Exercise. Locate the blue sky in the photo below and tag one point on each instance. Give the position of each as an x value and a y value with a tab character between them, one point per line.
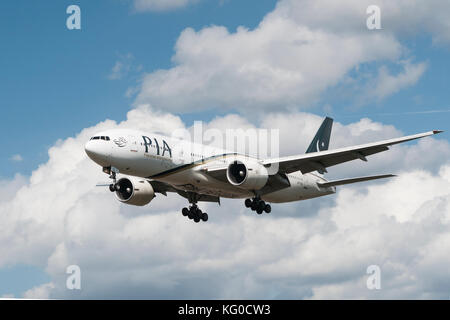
55	82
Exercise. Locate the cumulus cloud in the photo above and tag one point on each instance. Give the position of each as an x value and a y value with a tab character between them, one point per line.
257	69
8	188
161	5
39	292
297	52
387	83
402	18
302	250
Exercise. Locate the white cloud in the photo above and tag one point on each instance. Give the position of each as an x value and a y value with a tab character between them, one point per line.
402	18
161	5
16	158
8	188
116	72
298	51
123	67
39	292
257	69
387	84
302	250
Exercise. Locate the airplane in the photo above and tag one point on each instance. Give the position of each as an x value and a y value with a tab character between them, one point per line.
152	163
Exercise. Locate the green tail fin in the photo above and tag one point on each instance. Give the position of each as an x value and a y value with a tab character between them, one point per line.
322	138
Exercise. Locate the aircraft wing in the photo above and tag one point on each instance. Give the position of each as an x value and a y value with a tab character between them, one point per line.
162	187
319	161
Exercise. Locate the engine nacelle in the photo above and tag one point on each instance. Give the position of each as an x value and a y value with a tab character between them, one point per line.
134	191
248	176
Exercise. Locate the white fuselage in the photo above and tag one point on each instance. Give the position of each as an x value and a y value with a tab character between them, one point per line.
183	164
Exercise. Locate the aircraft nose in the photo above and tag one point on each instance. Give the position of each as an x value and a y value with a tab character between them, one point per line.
97	152
90	149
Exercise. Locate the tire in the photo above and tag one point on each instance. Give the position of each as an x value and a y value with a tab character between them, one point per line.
259	211
205	216
192	212
248	203
111	188
261	205
197	219
185	212
254	205
267	208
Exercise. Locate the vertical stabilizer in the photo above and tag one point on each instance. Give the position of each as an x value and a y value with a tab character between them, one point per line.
322	138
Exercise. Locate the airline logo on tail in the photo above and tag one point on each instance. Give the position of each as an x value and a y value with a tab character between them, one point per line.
321	140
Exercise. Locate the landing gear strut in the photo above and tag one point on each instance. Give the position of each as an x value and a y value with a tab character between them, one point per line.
258	205
194	213
113	187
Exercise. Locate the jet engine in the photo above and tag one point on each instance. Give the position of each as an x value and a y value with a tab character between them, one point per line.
248	176
134	191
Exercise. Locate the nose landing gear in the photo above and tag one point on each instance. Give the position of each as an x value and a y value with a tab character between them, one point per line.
113	187
258	205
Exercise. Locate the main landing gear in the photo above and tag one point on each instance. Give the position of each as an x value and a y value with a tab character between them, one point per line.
258	205
194	213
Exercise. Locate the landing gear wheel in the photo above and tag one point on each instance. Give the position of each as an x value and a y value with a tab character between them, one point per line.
260	206
194	213
112	188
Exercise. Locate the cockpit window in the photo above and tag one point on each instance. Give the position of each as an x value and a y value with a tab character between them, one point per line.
101	138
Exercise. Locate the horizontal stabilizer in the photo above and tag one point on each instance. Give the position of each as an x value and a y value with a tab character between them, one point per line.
353	180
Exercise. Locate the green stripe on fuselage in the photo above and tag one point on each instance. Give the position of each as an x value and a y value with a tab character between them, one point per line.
190	165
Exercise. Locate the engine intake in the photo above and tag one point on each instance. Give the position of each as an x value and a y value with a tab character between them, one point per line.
134	191
249	176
